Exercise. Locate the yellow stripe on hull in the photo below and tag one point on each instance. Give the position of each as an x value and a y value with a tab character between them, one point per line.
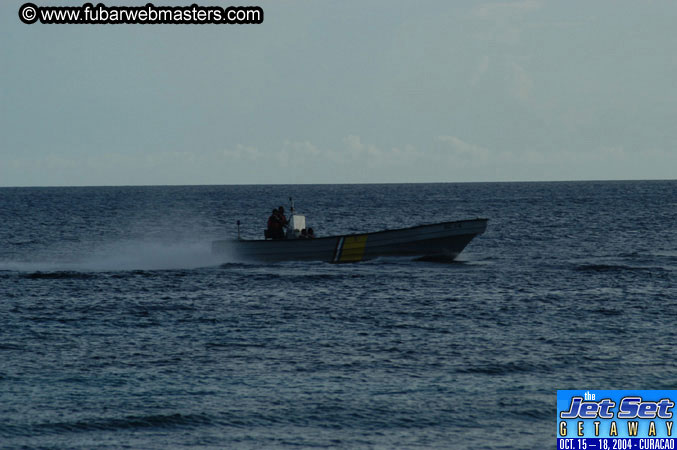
353	248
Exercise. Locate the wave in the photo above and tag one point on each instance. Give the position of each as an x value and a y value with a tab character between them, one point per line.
615	268
110	424
503	368
59	275
608	311
630	255
10	346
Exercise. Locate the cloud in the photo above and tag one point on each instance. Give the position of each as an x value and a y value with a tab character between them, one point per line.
359	150
242	152
299	154
502	23
522	83
375	156
481	69
498	10
613	151
461	150
353	152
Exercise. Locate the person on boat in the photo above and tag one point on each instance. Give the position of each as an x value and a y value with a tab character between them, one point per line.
284	223
274	230
304	234
310	234
272	224
282	217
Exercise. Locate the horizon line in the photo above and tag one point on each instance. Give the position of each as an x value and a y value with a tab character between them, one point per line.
340	183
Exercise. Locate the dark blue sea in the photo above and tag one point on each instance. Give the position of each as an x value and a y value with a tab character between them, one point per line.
119	329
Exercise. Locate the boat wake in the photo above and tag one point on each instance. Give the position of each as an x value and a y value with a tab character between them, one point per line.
121	256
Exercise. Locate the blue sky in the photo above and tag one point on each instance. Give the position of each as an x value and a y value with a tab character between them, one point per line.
344	92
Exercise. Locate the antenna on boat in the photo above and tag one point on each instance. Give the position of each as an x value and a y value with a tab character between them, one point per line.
238	231
291	200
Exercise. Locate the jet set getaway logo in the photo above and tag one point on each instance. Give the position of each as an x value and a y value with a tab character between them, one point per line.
615	420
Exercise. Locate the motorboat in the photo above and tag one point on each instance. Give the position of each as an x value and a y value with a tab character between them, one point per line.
438	241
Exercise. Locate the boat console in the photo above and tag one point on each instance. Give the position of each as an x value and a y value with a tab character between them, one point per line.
296	224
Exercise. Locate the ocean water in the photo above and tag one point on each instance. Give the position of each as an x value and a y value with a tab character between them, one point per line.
119	329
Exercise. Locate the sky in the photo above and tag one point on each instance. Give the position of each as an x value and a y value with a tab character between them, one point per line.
346	91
